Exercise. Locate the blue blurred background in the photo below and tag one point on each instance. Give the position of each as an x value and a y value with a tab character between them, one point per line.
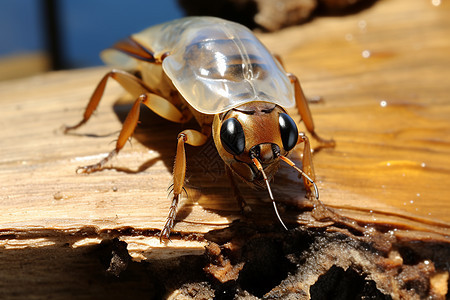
83	27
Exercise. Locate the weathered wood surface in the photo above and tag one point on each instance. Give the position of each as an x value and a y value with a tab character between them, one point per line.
383	74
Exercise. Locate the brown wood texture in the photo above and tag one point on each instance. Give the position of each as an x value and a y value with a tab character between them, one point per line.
383	74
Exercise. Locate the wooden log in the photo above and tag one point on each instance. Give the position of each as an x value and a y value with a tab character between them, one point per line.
383	76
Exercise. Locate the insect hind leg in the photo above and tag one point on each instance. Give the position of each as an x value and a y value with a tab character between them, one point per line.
127	130
137	88
129	82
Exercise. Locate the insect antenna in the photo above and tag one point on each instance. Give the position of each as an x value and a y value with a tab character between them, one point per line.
291	163
260	168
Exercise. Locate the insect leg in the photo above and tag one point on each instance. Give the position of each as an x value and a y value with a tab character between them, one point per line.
129	82
305	113
127	130
163	107
307	162
152	101
307	171
191	137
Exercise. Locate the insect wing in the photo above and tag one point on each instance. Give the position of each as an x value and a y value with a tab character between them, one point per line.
121	54
118	59
217	65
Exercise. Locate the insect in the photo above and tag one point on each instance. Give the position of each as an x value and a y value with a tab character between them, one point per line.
219	73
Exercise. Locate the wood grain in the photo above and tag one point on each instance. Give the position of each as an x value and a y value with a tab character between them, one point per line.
384	82
383	75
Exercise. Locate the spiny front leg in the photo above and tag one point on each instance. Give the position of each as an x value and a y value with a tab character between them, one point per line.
170	221
179	174
307	171
193	138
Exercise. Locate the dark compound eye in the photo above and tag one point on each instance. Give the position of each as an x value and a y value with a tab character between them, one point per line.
288	130
232	136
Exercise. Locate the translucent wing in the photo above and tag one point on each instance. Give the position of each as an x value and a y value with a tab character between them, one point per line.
123	52
217	65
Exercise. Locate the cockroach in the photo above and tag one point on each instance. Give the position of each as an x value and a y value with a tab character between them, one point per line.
218	72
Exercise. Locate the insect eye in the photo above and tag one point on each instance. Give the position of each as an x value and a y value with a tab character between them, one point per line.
232	136
288	130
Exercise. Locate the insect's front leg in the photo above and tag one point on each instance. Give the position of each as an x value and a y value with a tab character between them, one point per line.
191	137
307	171
307	162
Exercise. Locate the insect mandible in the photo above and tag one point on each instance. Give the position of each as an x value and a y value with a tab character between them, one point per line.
219	73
